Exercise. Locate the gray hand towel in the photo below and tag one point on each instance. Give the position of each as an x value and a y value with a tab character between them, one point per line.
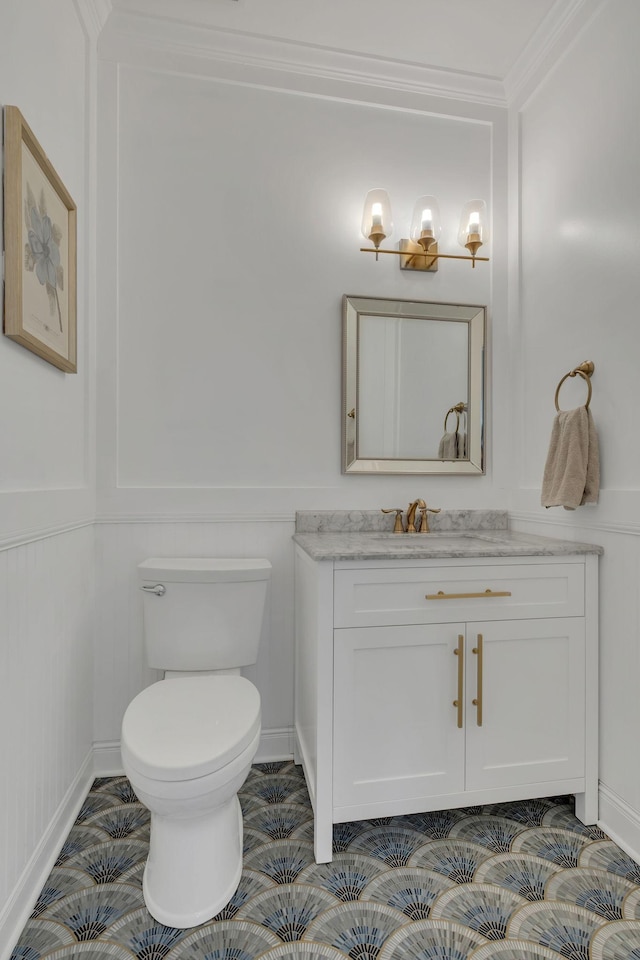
572	471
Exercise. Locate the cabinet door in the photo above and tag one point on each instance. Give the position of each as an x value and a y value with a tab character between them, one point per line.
529	679
396	735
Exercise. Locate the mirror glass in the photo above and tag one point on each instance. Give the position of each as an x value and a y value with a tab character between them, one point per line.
413	386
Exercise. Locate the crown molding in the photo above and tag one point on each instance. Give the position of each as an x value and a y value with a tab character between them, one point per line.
154	26
551	40
93	15
181	37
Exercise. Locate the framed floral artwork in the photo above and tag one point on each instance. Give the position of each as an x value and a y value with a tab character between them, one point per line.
40	229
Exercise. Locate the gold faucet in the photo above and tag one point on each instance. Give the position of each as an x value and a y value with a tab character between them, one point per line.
411	514
423	521
411	527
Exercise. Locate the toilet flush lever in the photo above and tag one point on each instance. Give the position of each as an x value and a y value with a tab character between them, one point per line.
159	589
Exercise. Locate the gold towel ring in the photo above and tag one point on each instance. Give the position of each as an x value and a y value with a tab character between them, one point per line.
457	419
457	409
585	371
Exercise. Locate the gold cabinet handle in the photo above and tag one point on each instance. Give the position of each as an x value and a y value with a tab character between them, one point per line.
478	700
441	595
459	653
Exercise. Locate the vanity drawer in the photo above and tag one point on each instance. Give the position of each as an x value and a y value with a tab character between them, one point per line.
381	596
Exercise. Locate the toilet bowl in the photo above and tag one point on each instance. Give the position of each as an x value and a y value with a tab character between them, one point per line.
187	748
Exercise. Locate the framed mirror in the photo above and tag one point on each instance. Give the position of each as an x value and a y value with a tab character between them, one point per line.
413	387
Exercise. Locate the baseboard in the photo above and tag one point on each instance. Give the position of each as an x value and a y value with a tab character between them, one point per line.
17	911
275	744
620	822
107	761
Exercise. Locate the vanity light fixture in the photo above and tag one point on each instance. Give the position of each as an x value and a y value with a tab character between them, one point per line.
420	252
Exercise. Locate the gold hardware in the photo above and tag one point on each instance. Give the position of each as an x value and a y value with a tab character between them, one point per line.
411	515
352	413
423	521
415	257
584	370
397	527
428	256
457	409
441	595
478	700
459	653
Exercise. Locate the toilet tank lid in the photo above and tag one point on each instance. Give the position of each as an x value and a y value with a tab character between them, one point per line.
204	569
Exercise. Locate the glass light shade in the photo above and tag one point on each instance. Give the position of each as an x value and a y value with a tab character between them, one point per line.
425	223
474	228
377	224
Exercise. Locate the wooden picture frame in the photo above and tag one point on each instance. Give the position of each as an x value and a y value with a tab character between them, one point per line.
40	239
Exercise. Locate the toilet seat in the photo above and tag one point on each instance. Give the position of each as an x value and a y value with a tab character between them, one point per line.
185	728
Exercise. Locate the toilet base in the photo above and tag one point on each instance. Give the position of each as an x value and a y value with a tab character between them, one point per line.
194	865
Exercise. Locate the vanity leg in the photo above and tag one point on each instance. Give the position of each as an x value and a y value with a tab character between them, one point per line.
587	806
323	841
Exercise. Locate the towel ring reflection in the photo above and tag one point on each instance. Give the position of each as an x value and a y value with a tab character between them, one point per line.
585	371
457	409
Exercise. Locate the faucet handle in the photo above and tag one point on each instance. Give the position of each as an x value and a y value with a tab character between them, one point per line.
397	527
423	522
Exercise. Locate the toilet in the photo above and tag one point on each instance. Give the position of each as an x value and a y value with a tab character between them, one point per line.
188	740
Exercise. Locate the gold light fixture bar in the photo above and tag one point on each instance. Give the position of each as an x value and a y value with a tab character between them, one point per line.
412	254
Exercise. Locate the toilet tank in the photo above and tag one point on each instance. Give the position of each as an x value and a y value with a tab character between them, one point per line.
202	613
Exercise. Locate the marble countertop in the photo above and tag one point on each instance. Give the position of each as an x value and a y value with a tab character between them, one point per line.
353	535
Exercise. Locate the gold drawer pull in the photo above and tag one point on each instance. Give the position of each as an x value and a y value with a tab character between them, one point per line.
459	653
441	595
477	702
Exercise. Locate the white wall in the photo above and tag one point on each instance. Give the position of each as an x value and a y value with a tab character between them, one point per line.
47	495
580	288
230	216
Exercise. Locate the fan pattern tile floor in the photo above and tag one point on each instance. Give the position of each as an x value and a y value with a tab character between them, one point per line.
513	881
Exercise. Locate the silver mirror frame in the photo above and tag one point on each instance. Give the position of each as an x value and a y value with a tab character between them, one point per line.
354	307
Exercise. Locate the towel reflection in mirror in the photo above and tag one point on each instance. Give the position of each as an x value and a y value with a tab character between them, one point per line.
453	445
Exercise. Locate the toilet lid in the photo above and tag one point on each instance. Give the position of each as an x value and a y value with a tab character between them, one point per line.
184	728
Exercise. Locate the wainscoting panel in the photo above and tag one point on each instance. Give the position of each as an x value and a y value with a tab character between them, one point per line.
46	617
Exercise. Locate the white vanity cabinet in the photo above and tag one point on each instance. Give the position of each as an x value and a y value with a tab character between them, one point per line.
428	684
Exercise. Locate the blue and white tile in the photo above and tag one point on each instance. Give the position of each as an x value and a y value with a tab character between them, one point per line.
457	859
524	874
279	821
61	882
227	940
41	937
108	862
358	929
287	910
431	940
281	860
496	833
617	941
601	892
121	820
80	837
606	855
346	877
514	950
392	844
562	927
562	847
483	907
413	890
144	937
88	914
